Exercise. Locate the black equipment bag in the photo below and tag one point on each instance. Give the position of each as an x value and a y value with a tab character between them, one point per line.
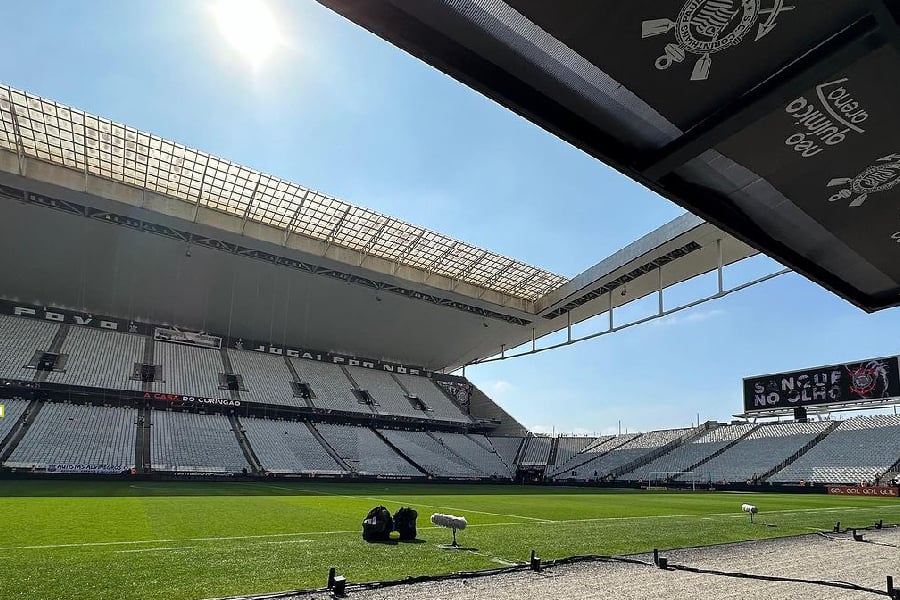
405	523
377	525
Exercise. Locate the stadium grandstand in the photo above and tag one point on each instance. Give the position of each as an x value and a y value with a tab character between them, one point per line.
221	325
209	390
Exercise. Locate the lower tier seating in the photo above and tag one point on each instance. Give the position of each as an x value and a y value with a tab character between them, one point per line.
860	449
507	447
430	453
12	412
477	451
364	451
78	438
287	447
192	442
761	451
683	457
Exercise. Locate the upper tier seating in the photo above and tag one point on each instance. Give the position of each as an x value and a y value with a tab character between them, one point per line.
760	452
363	450
189	370
507	448
578	467
682	457
81	436
287	447
101	359
537	452
387	393
860	449
329	384
440	406
192	442
477	451
19	339
13	411
430	454
267	378
106	359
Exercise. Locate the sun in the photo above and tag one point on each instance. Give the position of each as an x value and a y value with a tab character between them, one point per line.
250	27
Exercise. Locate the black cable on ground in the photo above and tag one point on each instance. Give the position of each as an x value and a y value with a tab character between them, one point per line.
738	575
522	567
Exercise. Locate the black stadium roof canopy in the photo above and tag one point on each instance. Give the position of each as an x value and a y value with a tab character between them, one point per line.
776	120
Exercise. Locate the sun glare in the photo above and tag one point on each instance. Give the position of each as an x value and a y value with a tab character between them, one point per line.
250	28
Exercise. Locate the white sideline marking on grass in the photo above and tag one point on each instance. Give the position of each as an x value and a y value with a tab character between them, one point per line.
171	549
479	512
82	544
289	541
503	524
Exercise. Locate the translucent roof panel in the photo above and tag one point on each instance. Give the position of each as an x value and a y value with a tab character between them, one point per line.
42	129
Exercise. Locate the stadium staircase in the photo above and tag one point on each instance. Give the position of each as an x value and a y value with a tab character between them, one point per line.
244	443
831	427
142	441
55	347
331	451
12	440
554	448
295	376
520	453
400	452
400	383
654	453
229	370
721	450
147	359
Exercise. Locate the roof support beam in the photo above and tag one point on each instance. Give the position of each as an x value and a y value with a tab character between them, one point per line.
290	227
493	280
200	190
853	42
336	229
372	241
406	250
20	150
431	266
468	268
249	205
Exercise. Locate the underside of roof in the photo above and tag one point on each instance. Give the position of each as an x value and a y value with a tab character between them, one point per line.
776	120
45	130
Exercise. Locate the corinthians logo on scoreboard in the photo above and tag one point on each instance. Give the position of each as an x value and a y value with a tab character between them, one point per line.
704	27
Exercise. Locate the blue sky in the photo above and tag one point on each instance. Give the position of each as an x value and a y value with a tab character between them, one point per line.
340	110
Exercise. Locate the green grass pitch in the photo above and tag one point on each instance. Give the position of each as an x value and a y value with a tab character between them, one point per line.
180	540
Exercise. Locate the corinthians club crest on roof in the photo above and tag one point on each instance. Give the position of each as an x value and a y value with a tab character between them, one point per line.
704	27
880	177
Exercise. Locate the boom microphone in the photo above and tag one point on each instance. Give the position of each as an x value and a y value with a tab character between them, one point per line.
749	508
449	521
